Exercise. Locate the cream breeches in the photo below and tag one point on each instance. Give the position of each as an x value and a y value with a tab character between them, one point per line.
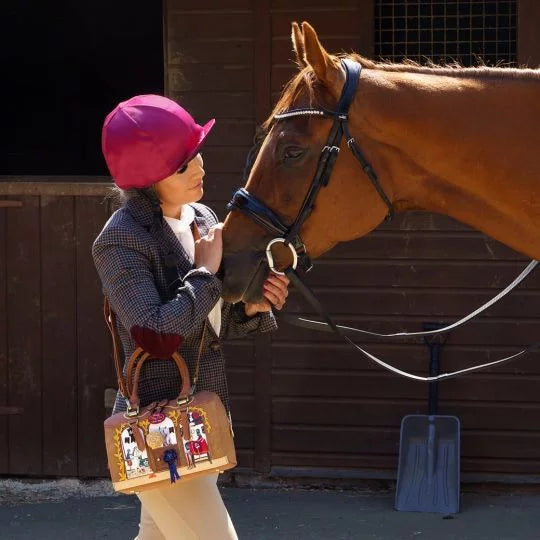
191	510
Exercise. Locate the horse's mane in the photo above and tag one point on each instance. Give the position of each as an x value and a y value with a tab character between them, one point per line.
455	69
305	81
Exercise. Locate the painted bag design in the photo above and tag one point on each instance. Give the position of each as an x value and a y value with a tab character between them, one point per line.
168	441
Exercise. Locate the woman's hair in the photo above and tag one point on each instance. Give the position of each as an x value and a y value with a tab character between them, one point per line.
121	196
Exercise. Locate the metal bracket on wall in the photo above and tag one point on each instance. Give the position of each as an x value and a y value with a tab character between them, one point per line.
10	204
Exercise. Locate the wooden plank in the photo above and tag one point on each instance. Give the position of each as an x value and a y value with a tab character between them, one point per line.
242	408
210	78
329	439
59	347
213	104
244	458
224	159
4	373
411	356
244	436
382	386
370	465
378	412
481	332
528	19
427	303
182	50
262	60
54	185
223	24
24	337
95	365
263	342
228	132
428	273
327	22
10	204
239	353
263	403
241	380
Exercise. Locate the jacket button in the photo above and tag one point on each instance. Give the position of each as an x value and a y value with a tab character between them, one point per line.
215	346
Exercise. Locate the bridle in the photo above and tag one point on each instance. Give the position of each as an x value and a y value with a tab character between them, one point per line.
289	235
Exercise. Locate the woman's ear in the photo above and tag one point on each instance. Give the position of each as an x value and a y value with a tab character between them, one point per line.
298	45
326	67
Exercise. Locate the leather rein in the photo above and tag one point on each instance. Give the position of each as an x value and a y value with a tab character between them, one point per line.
289	235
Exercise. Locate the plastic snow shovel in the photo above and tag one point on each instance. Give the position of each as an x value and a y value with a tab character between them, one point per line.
429	452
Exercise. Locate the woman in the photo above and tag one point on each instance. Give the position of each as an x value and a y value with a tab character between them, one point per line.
157	258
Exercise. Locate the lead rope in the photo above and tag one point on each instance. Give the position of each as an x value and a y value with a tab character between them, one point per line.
310	297
326	327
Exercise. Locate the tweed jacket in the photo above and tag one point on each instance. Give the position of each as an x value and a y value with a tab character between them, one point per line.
161	301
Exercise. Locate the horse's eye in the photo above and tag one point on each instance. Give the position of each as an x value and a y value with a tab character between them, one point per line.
292	152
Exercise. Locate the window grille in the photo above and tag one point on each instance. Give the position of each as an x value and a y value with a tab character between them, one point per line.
467	31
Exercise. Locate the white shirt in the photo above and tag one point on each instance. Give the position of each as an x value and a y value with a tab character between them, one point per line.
182	229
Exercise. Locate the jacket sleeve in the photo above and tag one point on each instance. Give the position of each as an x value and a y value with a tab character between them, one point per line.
129	284
238	324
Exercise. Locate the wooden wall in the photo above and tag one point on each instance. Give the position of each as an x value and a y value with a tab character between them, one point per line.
307	404
55	360
302	403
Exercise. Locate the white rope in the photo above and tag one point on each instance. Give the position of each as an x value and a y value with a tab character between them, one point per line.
530	267
449	375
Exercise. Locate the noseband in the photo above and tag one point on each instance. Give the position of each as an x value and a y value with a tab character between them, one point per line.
243	201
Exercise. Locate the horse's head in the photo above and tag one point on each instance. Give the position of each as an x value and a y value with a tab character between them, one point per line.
281	176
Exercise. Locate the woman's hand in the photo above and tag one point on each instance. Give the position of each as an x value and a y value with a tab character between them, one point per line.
275	291
209	249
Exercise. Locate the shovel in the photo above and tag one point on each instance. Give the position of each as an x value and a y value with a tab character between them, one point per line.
429	451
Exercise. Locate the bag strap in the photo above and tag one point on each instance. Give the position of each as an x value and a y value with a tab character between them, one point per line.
199	353
110	321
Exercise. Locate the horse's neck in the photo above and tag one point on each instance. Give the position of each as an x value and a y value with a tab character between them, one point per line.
464	147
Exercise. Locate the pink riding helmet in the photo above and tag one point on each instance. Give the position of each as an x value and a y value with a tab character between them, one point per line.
147	138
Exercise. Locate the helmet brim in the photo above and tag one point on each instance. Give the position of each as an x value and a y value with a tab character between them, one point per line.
205	130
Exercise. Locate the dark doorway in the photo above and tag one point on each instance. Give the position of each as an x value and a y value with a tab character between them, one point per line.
66	65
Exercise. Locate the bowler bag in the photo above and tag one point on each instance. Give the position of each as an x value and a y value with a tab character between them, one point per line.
166	441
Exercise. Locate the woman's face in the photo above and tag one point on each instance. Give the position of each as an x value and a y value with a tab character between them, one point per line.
182	187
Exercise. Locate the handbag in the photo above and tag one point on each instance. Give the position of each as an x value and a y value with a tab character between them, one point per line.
167	441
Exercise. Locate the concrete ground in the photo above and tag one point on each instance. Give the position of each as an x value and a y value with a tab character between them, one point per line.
277	514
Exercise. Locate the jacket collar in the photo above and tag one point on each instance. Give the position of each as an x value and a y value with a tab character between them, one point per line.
145	209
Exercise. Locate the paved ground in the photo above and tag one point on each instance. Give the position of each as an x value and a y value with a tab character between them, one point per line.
285	515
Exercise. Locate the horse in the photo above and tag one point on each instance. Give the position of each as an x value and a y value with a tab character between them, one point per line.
445	139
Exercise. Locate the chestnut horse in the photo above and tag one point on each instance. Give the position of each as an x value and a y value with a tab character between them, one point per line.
457	141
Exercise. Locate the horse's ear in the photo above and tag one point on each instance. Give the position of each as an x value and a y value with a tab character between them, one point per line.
298	45
316	56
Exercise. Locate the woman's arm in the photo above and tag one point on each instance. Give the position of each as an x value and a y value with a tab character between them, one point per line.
237	324
129	284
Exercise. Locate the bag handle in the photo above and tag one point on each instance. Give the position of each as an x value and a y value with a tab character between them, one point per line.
134	400
131	367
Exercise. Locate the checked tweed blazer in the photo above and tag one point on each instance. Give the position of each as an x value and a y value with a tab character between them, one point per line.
161	301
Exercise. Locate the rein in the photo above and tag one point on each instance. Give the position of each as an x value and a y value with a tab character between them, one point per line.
289	235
